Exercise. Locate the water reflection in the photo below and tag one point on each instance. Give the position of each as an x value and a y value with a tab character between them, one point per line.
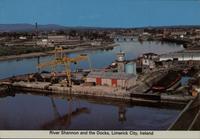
28	111
63	122
122	114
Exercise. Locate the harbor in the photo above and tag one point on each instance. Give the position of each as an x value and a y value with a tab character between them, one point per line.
119	80
123	81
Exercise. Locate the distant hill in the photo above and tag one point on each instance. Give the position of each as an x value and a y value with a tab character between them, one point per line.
49	27
28	27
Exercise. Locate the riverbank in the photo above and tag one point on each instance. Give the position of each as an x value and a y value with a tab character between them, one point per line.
41	54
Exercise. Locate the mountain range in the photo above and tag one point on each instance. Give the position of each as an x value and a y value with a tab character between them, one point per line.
50	27
47	27
28	27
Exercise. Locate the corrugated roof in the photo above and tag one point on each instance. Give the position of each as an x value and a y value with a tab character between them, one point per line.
110	75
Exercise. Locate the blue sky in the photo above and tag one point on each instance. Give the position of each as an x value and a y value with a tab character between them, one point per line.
101	13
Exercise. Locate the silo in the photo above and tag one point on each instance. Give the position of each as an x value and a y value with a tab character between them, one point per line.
120	61
130	68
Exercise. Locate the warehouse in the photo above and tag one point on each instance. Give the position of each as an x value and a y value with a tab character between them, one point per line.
114	79
56	38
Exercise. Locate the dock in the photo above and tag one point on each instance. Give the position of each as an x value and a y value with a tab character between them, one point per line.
189	118
106	92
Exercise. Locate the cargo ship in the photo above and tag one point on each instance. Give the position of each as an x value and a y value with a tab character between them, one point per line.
171	79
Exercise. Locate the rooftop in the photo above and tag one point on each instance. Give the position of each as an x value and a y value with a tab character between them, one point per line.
110	75
181	54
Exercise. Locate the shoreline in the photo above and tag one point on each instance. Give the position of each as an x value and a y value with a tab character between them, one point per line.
48	53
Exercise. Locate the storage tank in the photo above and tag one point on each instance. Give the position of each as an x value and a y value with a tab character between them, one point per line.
130	68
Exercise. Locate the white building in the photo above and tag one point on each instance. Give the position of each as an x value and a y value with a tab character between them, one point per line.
22	38
148	60
181	56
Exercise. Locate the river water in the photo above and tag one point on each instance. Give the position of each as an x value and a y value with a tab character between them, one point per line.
28	111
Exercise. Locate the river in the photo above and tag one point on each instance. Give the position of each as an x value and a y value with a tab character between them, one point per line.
28	111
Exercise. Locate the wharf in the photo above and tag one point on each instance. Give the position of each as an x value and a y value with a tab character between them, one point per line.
189	118
46	88
140	92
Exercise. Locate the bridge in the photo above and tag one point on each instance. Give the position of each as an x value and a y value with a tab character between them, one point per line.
125	38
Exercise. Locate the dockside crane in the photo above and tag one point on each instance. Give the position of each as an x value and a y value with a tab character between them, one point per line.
60	59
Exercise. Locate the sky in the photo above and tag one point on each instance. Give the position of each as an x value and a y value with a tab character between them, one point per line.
101	13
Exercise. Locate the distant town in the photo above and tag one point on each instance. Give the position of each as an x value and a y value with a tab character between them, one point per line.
40	38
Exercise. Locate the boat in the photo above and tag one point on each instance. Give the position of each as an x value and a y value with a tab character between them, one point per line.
172	78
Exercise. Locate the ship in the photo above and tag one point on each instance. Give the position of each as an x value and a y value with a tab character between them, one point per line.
168	81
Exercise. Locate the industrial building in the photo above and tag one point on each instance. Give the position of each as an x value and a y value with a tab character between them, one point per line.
146	62
114	79
56	38
181	56
125	77
123	66
120	62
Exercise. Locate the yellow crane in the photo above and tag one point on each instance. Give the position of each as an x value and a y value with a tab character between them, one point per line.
64	60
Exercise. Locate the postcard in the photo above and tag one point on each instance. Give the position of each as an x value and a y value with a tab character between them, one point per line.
99	69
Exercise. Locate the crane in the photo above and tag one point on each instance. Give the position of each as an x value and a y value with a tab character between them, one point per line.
64	60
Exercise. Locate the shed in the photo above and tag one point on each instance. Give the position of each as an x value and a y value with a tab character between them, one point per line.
115	79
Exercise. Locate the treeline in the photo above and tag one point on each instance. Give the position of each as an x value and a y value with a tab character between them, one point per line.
81	34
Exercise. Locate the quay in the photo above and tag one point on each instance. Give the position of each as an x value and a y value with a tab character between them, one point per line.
140	92
120	81
189	118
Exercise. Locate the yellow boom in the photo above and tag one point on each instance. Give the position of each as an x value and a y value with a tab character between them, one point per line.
64	60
